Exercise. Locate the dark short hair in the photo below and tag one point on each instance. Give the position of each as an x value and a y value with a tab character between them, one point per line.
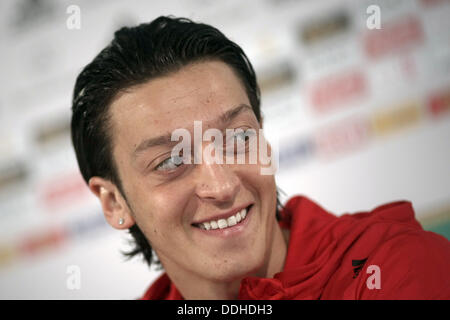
136	55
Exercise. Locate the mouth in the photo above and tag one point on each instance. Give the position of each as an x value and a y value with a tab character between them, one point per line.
225	222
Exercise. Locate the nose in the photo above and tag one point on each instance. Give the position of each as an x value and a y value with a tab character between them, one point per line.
216	182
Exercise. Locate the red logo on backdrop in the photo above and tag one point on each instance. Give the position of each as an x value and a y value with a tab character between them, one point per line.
343	137
392	37
63	189
429	3
439	103
333	90
44	240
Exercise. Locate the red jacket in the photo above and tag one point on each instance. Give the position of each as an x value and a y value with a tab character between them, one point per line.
381	254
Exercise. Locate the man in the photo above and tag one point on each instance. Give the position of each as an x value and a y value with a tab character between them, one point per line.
215	226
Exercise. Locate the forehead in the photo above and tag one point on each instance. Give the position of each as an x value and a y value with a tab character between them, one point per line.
201	91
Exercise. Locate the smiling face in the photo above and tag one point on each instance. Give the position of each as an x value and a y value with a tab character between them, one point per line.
170	202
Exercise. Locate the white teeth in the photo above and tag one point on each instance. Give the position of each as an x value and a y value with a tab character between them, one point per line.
231	221
207	225
224	223
213	225
243	213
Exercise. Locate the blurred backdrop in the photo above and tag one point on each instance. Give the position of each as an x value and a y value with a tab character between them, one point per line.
357	94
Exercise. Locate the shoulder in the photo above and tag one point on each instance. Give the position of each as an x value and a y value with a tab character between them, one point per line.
398	211
303	210
304	213
411	265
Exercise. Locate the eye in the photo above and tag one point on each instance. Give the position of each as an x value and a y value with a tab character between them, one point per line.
241	136
170	164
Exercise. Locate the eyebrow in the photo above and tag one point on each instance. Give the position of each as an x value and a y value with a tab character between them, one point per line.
233	113
165	139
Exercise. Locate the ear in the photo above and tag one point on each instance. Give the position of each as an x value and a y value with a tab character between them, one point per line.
115	207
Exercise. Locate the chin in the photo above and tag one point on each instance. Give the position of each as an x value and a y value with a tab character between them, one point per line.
231	270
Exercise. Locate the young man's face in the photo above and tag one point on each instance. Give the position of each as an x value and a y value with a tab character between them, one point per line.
169	201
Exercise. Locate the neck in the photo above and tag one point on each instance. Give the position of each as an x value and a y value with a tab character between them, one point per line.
193	287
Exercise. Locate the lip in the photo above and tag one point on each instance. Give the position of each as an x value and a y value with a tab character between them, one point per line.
223	215
229	231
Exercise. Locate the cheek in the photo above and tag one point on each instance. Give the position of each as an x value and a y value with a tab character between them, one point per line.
263	188
268	194
161	213
260	182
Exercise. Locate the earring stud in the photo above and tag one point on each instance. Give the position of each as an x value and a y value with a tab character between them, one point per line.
121	221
